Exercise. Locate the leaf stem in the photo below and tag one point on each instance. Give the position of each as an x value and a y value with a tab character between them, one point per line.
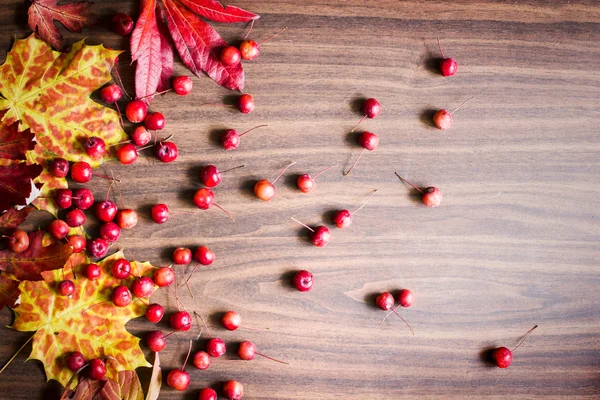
15	355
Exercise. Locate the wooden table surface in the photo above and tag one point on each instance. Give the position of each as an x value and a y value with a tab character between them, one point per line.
514	243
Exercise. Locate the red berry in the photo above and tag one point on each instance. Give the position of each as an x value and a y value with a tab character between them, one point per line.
181	321
204	255
249	49
163	276
155	312
121	268
371	108
77	242
160	213
58	229
230	56
126	219
442	119
166	151
368	141
448	66
233	390
136	111
66	288
127	154
97	248
303	281
178	379
201	360
59	167
246	104
83	198
203	198
342	218
155	121
92	271
110	232
182	256
81	172
210	176
503	357
432	197
207	394
95	147
142	287
106	211
215	347
75	218
18	242
63	198
141	136
182	85
320	236
155	340
406	298
111	93
247	351
230	139
307	183
122	24
385	301
121	296
231	320
75	361
96	369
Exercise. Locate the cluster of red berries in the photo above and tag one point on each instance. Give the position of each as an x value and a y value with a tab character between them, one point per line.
386	302
95	369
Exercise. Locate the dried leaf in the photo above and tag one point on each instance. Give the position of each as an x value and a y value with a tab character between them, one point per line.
42	13
214	10
30	264
127	387
197	44
14	144
155	380
87	322
166	52
9	292
12	218
146	51
88	389
15	184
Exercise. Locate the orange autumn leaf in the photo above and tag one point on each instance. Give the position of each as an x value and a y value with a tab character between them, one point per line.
88	321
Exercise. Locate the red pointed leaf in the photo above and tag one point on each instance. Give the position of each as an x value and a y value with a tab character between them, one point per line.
214	10
42	13
13	218
146	51
166	52
198	45
14	144
15	184
88	389
29	264
127	387
9	292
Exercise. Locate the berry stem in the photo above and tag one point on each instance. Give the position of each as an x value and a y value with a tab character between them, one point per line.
120	82
108	177
155	94
525	337
189	290
15	355
281	173
359	122
231	169
202	319
403	320
462	104
272	359
304	225
108	191
190	277
251	129
188	356
253	329
118	144
405	181
366	201
275	35
325	170
355	162
172	332
120	115
440	47
225	211
179	303
249	30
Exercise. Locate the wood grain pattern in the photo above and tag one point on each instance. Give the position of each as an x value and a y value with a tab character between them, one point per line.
515	242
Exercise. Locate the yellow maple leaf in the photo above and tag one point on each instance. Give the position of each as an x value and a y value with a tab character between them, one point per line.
88	321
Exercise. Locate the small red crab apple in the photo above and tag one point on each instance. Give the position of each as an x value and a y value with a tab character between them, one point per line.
231	139
166	151
443	118
155	121
207	394
97	248
126	219
430	196
77	242
96	369
233	390
160	213
247	351
58	229
155	340
121	296
83	198
385	301
140	136
181	321
265	190
121	268
204	198
95	147
306	183
81	172
319	236
231	320
75	218
448	66
122	24
371	109
503	356
182	85
154	313
246	104
343	218
406	298
182	256
110	232
63	198
59	167
18	241
179	379
164	276
111	93
250	50
368	141
142	287
204	255
215	347
136	111
230	56
211	176
66	288
92	271
106	211
75	361
303	281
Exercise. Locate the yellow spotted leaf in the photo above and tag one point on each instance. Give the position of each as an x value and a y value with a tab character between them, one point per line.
49	93
88	321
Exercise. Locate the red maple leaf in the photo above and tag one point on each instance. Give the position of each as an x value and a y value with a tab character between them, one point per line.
15	184
13	218
9	292
14	144
43	13
197	43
